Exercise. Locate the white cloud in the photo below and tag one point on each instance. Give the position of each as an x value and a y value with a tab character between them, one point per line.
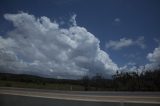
131	64
154	59
133	68
39	46
140	42
155	56
73	20
157	40
117	20
124	42
152	66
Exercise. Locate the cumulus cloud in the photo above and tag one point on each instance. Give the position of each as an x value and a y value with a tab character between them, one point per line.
41	47
124	42
154	58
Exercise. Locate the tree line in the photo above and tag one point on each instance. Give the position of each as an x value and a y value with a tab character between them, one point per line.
125	81
121	81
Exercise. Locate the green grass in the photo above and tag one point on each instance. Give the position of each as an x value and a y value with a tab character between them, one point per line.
54	86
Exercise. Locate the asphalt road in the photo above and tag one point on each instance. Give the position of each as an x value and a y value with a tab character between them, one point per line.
31	97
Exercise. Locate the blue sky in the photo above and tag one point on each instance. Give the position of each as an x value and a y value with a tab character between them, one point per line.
137	22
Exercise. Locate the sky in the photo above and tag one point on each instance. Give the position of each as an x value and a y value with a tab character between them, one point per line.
73	38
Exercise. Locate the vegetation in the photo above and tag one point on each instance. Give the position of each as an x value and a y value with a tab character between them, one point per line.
121	81
133	81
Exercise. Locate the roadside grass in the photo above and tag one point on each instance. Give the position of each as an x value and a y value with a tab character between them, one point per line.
53	86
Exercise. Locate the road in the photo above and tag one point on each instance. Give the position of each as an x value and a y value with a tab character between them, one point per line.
26	97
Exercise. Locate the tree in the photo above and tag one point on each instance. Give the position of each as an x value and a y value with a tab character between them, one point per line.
85	81
98	81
